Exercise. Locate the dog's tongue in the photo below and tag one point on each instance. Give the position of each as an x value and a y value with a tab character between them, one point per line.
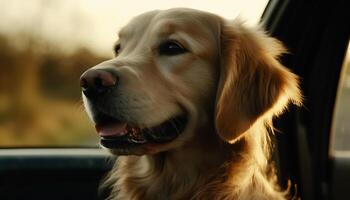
117	129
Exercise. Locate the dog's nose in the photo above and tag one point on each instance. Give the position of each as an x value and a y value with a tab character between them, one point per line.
97	81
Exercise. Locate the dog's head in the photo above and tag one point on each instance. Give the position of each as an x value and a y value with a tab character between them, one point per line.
179	70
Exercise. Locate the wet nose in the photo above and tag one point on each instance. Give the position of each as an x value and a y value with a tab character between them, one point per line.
96	82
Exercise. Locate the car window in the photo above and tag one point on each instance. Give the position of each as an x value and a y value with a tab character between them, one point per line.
45	47
341	119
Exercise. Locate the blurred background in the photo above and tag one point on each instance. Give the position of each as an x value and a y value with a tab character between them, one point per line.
45	45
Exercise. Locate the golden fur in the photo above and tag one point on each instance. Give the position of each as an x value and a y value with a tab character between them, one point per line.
231	85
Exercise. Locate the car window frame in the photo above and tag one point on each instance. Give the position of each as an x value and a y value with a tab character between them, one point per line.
316	36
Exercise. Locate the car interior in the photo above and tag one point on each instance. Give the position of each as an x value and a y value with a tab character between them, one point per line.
317	36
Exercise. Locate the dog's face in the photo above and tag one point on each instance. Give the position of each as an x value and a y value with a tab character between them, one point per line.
163	81
176	71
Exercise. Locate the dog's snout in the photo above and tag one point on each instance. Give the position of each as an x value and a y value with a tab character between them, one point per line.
97	81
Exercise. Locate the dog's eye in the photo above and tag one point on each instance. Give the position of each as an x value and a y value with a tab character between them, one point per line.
116	49
170	48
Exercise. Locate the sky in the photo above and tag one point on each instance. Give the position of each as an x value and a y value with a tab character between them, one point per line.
94	23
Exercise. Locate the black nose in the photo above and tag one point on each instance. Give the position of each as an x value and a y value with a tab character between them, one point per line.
95	82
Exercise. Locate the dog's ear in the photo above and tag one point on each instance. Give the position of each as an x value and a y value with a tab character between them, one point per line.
252	84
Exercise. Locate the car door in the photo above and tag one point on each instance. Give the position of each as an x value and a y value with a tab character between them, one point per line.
317	35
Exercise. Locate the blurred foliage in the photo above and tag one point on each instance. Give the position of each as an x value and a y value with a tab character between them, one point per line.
40	95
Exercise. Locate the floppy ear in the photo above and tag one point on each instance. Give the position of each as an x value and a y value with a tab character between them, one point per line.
253	84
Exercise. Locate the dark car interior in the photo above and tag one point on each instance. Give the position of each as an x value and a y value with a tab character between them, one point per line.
316	34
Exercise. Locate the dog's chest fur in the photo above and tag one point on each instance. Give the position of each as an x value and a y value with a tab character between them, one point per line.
155	177
163	176
150	180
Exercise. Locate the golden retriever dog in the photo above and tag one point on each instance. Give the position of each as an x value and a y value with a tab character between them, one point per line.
187	105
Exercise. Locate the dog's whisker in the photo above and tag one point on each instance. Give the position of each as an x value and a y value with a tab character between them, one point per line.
173	123
79	106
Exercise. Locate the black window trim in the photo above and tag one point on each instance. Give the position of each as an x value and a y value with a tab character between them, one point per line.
316	33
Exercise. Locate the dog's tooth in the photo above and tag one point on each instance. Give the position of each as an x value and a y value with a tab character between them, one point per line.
138	140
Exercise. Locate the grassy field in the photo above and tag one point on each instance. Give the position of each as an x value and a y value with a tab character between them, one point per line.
48	123
40	102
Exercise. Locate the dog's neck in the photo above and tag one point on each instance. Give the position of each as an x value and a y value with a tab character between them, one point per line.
195	158
179	172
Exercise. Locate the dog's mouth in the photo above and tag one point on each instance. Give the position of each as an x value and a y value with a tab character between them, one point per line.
121	135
